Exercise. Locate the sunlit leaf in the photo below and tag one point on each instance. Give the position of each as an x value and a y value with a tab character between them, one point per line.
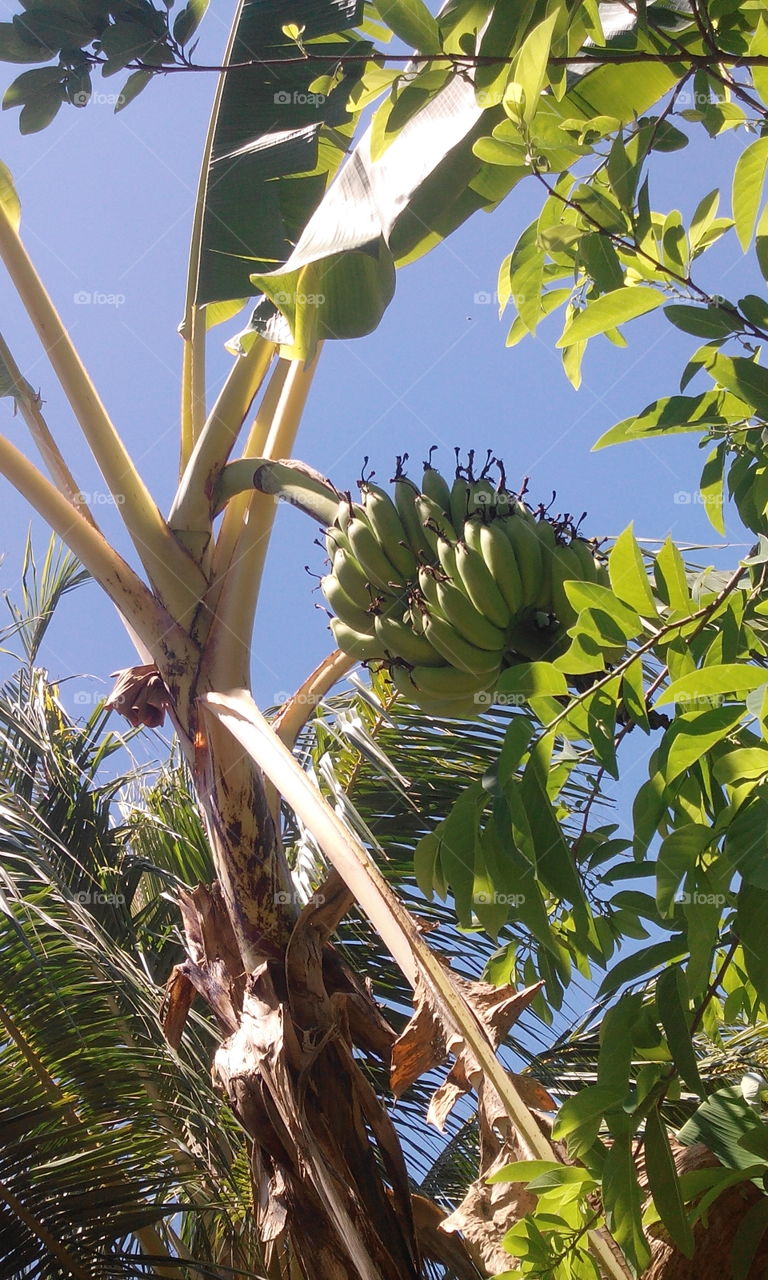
609	310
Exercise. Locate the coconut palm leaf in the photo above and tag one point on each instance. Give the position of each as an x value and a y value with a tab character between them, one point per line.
114	1149
41	591
106	1131
393	774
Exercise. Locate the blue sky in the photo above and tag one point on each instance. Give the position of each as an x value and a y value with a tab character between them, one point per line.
107	203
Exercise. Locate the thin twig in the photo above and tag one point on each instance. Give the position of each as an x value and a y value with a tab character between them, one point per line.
631	247
466	61
703	614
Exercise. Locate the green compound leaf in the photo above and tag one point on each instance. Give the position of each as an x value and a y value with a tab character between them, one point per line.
730	678
664	1183
608	311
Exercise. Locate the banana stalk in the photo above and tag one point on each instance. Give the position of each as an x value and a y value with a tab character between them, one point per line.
193	326
191	512
146	615
235	589
240	715
28	404
238	509
284	478
170	568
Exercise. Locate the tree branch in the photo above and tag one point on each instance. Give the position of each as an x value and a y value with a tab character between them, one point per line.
466	62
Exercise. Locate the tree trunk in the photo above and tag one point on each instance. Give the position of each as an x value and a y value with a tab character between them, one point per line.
328	1173
715	1236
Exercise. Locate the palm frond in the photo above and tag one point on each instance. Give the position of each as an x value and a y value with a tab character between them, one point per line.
114	1149
41	591
392	774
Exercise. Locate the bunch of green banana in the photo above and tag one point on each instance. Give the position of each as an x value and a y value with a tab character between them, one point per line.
448	584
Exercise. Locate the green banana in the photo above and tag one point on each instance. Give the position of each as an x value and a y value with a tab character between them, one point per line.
546	536
393	604
506	503
347	512
335	540
534	644
366	549
500	559
428	585
446	554
434	486
477	581
459	610
402	642
406	493
459	652
481	498
603	576
416	617
384	519
440	708
451	603
519	507
351	578
355	643
459	501
447	682
545	533
585	558
565	568
529	554
434	521
345	608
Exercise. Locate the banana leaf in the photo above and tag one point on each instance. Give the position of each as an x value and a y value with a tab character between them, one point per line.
413	178
271	125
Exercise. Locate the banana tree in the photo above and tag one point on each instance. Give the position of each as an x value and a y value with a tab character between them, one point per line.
330	1186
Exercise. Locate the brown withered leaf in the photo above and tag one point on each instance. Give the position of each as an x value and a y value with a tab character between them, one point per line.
292	1078
446	1247
421	1046
487	1212
213	969
140	695
425	1043
177	1002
